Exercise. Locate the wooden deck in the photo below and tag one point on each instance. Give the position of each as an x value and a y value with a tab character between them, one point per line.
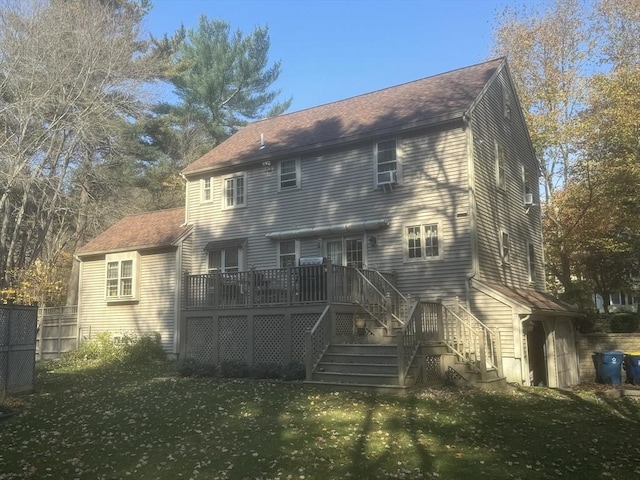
298	313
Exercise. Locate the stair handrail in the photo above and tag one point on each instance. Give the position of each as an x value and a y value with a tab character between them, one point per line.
470	337
318	339
362	300
406	300
491	341
409	340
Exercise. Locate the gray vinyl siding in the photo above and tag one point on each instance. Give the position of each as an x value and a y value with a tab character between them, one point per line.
497	316
336	188
155	310
497	209
501	317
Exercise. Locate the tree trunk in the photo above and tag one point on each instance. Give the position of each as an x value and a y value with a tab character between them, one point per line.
81	226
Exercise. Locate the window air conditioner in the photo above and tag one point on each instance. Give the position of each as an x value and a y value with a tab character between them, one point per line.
387	178
528	199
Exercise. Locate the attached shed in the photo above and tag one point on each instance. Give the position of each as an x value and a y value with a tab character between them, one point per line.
537	333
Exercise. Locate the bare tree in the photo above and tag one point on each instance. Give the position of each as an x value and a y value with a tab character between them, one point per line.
72	78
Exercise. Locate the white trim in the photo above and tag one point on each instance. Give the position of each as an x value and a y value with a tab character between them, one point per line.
397	176
236	204
343	247
531	263
118	258
423	244
296	251
297	166
500	165
203	189
501	237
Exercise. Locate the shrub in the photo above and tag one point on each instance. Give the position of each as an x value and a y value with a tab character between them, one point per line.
100	348
132	349
144	349
590	323
624	322
234	369
189	367
266	370
294	370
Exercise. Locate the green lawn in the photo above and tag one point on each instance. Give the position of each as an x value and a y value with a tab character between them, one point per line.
145	422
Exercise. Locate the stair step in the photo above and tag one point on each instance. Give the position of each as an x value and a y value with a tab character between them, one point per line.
357	378
363	348
399	390
377	359
357	367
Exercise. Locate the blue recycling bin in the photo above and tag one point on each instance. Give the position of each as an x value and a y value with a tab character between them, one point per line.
609	367
632	366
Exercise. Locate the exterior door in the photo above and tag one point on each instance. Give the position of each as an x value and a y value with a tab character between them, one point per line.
345	251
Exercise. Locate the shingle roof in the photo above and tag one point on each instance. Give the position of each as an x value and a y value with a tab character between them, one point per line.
437	98
537	301
144	230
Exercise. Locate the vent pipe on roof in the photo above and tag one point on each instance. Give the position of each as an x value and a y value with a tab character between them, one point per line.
261	141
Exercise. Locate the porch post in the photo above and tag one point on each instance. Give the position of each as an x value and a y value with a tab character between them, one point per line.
440	336
483	355
498	350
252	284
329	281
388	314
308	358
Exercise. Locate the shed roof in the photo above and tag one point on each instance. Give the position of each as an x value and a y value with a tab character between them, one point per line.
433	99
141	231
537	301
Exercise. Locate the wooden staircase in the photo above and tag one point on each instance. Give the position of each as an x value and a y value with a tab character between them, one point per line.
434	344
367	367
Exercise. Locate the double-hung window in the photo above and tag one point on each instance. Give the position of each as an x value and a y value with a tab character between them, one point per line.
121	276
206	189
224	260
288	174
386	162
501	181
423	242
531	262
287	253
234	191
505	247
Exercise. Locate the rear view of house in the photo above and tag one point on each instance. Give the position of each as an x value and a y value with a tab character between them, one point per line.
403	224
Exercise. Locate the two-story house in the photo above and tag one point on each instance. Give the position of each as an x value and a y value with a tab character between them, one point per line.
403	217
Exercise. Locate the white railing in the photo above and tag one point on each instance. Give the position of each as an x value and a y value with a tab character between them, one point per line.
318	339
409	340
471	340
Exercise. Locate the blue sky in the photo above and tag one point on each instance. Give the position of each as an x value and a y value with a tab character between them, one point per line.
333	49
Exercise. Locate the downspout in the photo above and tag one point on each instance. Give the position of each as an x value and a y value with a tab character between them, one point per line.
186	199
466	118
524	349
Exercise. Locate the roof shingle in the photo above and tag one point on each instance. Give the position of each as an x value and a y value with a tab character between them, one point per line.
144	230
425	101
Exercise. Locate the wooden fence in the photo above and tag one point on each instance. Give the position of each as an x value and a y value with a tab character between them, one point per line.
18	326
58	331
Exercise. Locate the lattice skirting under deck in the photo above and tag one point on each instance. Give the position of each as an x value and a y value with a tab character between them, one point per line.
256	339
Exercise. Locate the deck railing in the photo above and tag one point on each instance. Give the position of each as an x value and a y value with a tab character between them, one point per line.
318	339
309	284
471	340
410	339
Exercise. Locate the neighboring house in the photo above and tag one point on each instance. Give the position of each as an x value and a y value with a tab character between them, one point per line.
424	199
130	277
